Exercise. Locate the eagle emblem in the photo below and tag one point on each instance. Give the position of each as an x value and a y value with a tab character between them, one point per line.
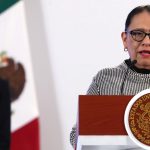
139	119
144	120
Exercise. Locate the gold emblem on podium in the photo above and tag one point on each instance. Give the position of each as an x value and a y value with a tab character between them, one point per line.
137	119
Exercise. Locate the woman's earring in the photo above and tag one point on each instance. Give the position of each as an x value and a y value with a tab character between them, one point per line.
125	49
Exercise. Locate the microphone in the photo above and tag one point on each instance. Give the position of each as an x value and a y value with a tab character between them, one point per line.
133	62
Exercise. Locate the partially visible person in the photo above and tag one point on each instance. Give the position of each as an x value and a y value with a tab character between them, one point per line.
4	115
12	82
133	75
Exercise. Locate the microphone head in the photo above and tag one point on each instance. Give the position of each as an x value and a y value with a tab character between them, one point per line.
133	62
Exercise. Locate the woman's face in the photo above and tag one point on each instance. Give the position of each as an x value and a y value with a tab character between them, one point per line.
139	51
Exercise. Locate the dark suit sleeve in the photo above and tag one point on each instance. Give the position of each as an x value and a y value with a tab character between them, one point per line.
4	115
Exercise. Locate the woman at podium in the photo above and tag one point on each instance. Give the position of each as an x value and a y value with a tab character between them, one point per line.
133	74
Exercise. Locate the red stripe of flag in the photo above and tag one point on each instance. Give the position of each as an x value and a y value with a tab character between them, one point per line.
27	137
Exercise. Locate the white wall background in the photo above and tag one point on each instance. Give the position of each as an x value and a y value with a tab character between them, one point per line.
71	40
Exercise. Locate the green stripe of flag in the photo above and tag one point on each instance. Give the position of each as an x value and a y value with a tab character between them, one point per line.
5	4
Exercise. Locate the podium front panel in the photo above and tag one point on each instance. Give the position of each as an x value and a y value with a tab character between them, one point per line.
102	115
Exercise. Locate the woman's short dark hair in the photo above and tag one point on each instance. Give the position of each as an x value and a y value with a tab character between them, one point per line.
134	12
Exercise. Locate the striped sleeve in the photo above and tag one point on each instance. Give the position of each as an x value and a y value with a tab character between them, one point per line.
73	136
96	83
93	89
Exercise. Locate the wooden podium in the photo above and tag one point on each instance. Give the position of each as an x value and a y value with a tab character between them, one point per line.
101	121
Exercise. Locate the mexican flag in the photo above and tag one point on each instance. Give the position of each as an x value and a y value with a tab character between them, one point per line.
14	47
